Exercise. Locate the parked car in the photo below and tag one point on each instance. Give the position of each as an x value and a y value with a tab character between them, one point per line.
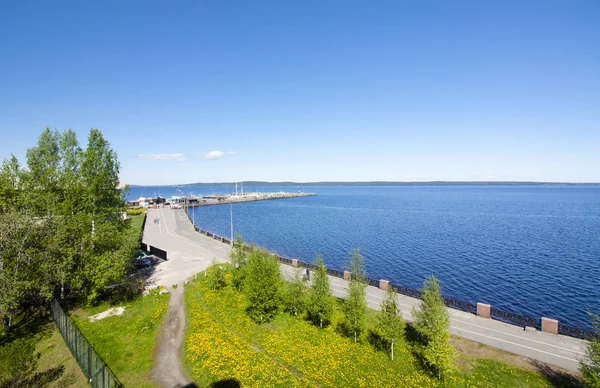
142	260
176	206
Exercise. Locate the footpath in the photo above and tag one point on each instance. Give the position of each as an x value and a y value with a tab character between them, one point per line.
190	252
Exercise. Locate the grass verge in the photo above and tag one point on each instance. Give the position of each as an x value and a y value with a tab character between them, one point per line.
126	342
136	224
223	344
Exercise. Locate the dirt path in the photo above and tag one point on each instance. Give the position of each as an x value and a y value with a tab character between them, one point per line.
167	370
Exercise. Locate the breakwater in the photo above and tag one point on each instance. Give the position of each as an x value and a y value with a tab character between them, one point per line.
480	309
239	198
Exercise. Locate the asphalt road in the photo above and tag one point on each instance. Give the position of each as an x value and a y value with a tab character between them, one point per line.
190	252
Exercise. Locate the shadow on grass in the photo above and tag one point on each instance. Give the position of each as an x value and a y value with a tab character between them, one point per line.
557	377
416	343
27	325
377	341
229	383
42	379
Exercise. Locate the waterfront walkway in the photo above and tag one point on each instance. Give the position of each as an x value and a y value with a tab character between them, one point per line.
190	252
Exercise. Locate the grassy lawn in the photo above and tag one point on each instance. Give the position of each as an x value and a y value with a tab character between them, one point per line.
55	367
126	342
55	354
136	224
222	343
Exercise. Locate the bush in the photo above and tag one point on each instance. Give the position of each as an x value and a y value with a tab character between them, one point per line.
216	276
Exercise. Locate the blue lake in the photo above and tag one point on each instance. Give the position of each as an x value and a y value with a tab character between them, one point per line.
533	250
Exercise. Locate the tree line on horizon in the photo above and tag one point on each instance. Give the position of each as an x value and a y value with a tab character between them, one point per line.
62	232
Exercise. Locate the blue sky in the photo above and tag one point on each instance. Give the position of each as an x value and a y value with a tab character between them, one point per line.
311	90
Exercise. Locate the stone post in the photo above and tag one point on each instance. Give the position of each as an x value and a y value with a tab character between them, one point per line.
294	262
484	310
549	325
384	284
347	275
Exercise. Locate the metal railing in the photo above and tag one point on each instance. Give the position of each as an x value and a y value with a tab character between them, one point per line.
576	332
92	365
515	319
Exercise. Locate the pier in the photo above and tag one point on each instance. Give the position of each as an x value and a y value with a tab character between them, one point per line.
218	199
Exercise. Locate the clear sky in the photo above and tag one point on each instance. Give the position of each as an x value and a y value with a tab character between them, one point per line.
311	90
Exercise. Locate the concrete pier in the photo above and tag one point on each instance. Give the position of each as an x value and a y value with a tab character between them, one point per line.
249	197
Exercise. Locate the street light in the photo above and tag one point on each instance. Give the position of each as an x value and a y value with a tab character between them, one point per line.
231	220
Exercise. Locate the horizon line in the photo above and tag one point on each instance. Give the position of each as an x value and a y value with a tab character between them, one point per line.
373	183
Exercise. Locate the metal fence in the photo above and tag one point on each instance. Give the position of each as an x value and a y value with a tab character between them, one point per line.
92	365
515	319
576	332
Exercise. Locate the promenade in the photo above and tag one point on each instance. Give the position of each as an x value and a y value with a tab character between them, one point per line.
190	252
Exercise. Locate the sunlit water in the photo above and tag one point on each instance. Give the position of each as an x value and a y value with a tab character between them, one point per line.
530	250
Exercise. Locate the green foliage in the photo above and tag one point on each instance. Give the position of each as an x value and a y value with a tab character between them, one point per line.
320	302
590	366
295	294
432	322
223	343
262	286
239	260
216	276
390	325
355	306
17	362
61	222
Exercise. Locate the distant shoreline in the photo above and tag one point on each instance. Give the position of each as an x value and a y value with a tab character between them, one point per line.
381	183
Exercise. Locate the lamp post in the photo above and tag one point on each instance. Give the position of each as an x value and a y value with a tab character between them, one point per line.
231	220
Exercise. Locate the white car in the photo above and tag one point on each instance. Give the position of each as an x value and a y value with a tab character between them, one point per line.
176	206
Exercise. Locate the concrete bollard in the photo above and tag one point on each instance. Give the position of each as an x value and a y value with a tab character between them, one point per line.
484	310
384	284
347	275
294	262
549	325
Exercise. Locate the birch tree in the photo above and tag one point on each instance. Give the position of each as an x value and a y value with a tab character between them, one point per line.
355	306
432	322
320	304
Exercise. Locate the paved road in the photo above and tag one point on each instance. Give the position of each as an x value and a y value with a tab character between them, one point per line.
190	252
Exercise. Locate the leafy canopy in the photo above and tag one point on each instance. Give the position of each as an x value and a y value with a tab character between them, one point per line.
432	322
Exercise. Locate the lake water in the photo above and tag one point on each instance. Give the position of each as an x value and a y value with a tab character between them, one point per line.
533	250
